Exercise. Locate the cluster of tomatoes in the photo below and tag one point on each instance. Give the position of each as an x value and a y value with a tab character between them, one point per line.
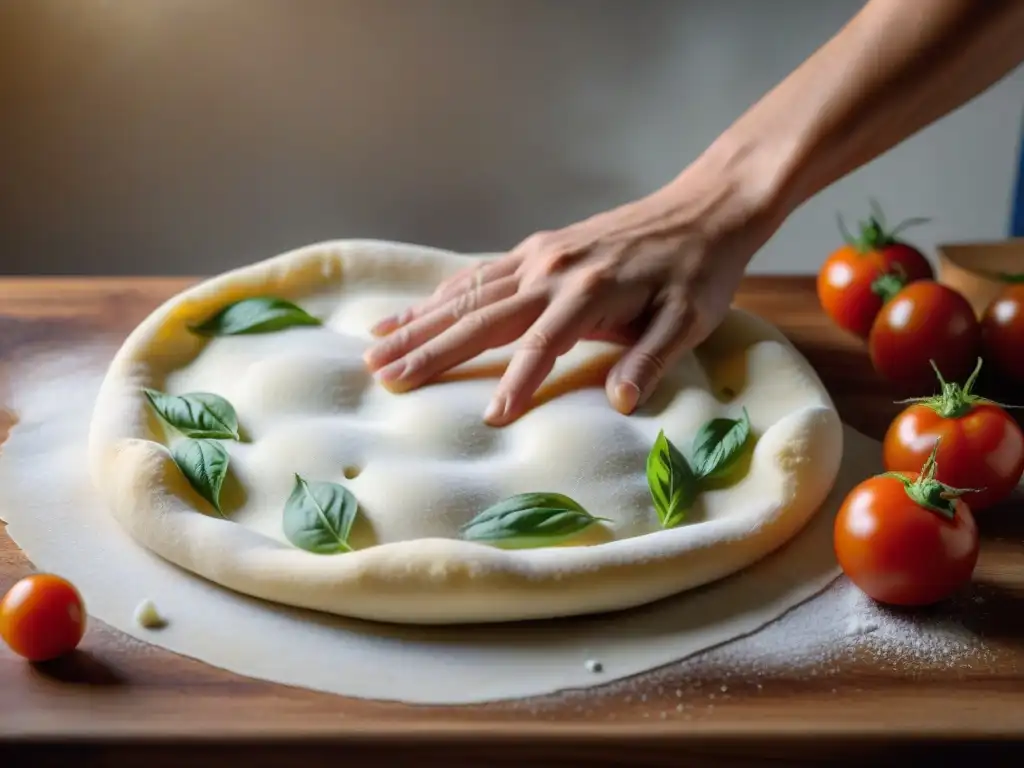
883	290
909	536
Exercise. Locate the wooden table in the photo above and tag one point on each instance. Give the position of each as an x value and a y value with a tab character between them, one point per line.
121	702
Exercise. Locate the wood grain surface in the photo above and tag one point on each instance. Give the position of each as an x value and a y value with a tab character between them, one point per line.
118	701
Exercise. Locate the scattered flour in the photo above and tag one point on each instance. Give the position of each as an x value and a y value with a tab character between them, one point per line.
822	638
843	622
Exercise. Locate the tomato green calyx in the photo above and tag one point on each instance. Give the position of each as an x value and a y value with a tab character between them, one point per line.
888	284
874	233
1011	277
954	400
928	492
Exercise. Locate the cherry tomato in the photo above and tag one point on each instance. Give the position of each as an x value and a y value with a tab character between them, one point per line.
42	617
857	278
1002	327
926	321
906	539
982	446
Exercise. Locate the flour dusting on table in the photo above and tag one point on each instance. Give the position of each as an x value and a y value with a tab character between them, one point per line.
815	643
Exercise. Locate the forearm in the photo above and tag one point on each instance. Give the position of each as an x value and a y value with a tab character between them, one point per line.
895	68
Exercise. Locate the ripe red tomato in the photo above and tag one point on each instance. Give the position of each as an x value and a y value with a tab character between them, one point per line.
906	539
925	322
982	447
42	617
857	279
1002	329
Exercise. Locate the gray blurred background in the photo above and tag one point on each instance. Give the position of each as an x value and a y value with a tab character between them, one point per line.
192	136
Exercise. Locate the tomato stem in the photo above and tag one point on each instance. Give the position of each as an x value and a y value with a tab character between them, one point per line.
876	211
928	492
845	233
906	223
888	284
954	400
874	233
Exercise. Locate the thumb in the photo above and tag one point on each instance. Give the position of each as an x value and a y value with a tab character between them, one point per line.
639	371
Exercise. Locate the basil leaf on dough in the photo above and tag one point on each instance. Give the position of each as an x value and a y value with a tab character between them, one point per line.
205	465
197	414
671	481
318	516
718	445
261	314
529	520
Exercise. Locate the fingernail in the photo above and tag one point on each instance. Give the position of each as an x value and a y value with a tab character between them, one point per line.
394	371
628	395
496	410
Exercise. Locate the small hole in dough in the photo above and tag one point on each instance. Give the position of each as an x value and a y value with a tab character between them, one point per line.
351	472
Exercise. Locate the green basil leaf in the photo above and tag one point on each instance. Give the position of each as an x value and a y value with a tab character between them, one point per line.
529	520
198	414
262	314
319	515
671	481
205	465
718	445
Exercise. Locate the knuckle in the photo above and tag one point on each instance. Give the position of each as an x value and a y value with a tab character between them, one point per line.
464	304
475	323
538	342
678	298
555	261
594	280
684	319
400	339
545	255
648	365
419	360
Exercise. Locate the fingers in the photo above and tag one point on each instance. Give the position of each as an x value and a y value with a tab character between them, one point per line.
494	325
639	371
553	334
465	280
624	333
419	331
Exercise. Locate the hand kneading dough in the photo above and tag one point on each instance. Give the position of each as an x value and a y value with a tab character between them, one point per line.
423	463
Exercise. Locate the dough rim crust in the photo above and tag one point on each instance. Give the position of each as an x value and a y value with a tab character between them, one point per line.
425	581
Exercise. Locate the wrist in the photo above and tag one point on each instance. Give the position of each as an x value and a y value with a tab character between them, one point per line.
757	172
736	194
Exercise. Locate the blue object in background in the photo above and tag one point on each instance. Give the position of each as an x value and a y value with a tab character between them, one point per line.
1017	206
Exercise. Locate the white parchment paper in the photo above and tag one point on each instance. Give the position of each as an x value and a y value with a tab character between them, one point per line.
54	516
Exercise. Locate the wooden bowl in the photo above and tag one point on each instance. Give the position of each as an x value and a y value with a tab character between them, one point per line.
979	270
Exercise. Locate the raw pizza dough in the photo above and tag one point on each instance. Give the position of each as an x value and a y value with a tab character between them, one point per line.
425	463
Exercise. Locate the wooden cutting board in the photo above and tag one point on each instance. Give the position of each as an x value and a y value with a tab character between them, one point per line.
120	702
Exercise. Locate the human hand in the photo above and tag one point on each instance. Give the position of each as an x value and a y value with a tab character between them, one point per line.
657	275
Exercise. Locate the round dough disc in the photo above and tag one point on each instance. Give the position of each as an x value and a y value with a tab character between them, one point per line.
423	463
